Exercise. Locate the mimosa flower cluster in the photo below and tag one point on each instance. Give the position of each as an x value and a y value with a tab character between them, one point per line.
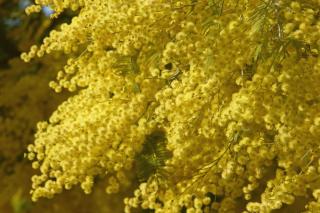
25	98
233	86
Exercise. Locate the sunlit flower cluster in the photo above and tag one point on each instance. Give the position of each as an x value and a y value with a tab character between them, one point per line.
25	99
233	86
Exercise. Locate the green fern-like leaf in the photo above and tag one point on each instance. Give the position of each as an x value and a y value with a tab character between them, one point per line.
151	161
126	65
